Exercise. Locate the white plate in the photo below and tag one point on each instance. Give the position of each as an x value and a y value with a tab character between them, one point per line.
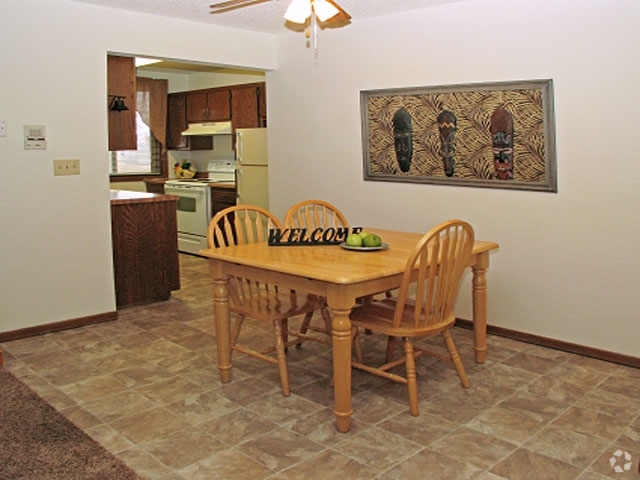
384	246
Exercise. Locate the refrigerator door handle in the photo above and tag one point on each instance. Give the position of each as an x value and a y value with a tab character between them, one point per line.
239	146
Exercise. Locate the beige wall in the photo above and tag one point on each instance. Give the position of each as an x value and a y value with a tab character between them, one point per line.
567	267
55	239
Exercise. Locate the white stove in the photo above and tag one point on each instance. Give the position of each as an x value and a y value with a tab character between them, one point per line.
194	203
219	171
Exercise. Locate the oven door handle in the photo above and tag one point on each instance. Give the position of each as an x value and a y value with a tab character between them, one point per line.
181	190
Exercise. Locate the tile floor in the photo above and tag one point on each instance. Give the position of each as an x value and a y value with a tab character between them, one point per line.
147	388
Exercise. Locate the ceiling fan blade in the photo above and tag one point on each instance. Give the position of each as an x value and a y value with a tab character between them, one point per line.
233	4
339	20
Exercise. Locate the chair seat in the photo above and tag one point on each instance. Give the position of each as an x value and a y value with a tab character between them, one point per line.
378	316
270	305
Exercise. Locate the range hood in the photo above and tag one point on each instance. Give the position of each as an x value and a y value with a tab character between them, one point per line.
209	128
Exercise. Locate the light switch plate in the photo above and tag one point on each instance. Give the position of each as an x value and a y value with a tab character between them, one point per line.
66	167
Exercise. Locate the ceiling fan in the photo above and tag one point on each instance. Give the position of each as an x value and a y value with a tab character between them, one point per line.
302	12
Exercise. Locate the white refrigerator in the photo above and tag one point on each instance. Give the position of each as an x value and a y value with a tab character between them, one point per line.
252	168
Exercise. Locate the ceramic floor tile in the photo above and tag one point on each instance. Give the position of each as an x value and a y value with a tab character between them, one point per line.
197	408
320	427
93	388
430	465
280	449
142	374
423	429
238	426
145	426
526	465
281	409
567	445
170	390
578	374
146	386
473	447
529	362
228	464
183	448
143	463
507	424
591	422
556	389
377	448
611	403
330	465
110	438
120	405
540	410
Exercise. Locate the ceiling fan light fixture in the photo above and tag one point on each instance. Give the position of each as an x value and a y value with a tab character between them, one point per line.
324	10
298	11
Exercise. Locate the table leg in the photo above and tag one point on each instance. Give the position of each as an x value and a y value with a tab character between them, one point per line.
222	316
341	348
480	306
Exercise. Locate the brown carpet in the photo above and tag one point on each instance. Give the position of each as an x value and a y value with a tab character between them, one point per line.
38	443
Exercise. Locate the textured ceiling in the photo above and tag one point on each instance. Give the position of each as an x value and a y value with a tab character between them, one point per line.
264	17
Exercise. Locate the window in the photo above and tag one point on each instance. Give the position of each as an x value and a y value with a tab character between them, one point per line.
144	160
151	131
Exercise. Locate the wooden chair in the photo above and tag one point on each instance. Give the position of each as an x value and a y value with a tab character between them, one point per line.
434	270
312	214
242	224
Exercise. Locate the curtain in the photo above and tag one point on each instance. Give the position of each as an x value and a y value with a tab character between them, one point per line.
152	105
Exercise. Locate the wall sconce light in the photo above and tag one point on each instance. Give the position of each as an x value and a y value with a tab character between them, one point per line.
117	103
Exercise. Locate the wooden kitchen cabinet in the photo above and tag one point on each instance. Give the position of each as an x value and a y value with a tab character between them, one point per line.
145	247
121	82
177	123
248	106
222	198
208	106
262	104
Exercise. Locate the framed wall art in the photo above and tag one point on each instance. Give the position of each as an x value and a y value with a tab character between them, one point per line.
494	135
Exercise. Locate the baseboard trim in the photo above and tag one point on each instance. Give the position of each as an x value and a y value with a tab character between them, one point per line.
56	326
627	360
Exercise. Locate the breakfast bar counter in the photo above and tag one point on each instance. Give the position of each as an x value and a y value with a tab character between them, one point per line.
145	247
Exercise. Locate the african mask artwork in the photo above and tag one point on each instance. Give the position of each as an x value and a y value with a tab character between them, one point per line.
403	138
447	123
502	140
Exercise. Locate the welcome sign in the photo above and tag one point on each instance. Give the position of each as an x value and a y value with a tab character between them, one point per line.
305	236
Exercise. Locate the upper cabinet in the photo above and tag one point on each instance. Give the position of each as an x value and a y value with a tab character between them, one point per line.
245	105
121	82
248	106
177	123
208	106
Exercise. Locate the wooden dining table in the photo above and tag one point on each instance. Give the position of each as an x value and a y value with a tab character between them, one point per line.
341	276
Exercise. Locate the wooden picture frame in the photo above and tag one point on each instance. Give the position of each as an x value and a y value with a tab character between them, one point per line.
493	135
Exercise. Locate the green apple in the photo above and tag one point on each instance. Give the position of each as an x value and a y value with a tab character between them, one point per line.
354	240
372	240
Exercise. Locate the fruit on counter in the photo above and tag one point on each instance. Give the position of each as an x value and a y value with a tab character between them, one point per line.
185	169
353	240
371	240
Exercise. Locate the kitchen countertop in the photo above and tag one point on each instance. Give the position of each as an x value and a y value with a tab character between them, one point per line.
120	197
